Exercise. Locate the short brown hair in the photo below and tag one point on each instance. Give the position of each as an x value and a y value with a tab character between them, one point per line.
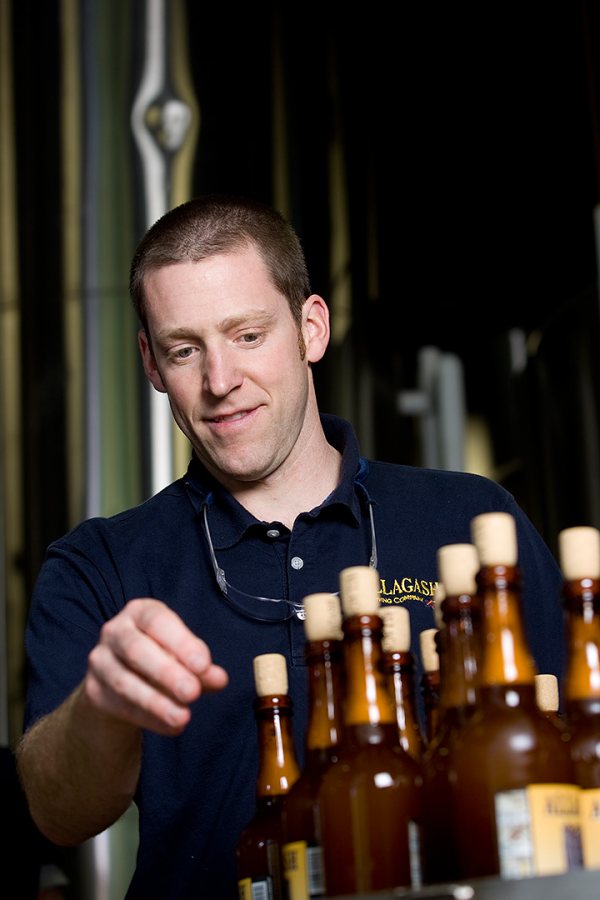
215	223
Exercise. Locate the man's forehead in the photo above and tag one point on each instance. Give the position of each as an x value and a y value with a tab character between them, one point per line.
238	274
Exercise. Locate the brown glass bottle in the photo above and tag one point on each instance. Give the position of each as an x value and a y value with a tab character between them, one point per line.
579	551
399	666
459	612
516	803
430	680
370	800
301	840
259	846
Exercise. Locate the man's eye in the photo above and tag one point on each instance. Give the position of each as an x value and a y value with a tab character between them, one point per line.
250	338
184	352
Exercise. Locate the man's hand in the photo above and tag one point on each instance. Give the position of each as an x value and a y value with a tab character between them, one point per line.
148	667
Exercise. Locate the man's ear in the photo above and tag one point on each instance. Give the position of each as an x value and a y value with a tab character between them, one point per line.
149	362
315	327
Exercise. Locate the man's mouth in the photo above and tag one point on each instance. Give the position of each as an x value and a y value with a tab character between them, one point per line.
231	418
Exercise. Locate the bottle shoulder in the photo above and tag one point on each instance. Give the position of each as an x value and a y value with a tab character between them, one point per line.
265	820
384	762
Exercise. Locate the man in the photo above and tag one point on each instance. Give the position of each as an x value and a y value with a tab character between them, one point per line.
143	627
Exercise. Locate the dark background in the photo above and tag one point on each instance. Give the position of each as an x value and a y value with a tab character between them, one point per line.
473	127
471	143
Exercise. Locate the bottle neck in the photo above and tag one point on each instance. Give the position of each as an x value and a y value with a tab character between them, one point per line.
278	767
400	671
506	659
325	662
461	659
430	691
582	626
367	698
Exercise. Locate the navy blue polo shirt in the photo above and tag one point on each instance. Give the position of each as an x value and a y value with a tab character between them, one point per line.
196	791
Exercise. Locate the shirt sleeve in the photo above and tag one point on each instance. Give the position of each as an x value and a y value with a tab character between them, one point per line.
78	589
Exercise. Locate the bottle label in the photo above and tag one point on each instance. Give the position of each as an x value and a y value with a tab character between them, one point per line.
539	830
255	890
303	869
590	827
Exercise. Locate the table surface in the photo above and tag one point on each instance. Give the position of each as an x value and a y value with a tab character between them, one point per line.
578	884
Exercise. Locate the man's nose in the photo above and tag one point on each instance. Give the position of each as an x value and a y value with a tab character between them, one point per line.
221	371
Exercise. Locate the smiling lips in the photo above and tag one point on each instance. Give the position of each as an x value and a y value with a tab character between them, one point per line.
230	418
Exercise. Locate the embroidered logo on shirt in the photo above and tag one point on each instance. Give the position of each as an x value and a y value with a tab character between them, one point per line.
400	590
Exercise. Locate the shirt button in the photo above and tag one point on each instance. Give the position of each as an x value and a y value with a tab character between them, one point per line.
273	533
297	562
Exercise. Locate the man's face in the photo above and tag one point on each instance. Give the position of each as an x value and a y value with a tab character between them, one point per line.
225	348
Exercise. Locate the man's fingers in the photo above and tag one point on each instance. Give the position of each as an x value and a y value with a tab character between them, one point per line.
160	716
126	649
148	667
215	678
165	627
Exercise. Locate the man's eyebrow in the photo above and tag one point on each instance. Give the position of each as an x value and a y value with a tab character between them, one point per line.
173	334
253	317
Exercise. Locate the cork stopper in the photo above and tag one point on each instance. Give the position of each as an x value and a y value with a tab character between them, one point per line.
495	537
323	620
396	629
579	552
429	654
439	595
359	591
546	692
458	565
270	674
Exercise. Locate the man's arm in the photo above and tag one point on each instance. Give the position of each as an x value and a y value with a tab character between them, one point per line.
80	764
79	770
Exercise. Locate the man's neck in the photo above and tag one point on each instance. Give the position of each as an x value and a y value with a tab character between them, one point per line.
283	497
